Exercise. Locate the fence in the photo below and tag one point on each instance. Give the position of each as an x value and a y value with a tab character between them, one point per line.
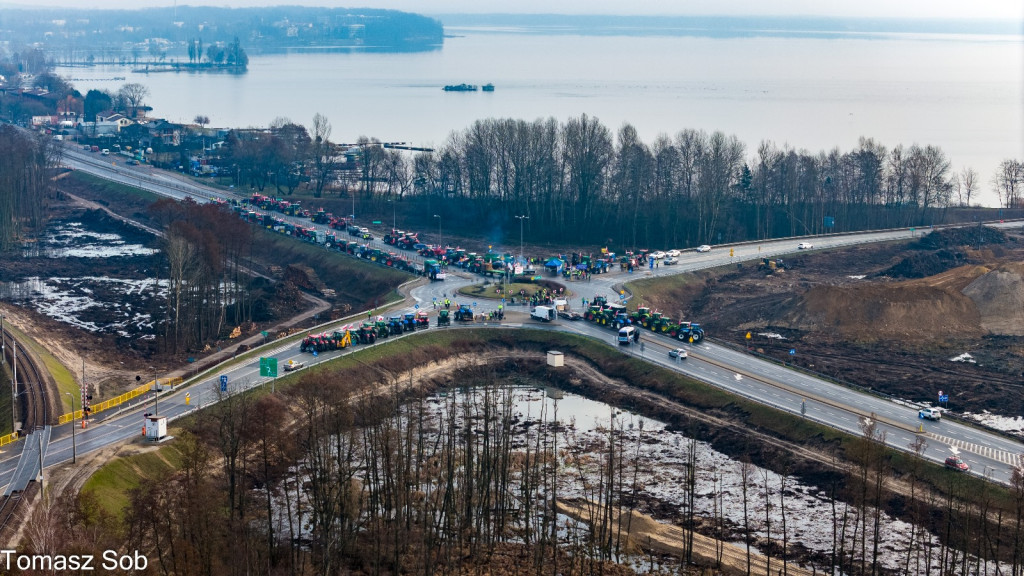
117	400
9	438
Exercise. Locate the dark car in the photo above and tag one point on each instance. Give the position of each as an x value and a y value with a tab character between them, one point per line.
955	463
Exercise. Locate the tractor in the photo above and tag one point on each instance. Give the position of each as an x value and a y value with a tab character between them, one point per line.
443	319
395	325
422	320
341	339
593	313
366	333
381	326
312	343
690	331
409	322
642	316
660	323
464	314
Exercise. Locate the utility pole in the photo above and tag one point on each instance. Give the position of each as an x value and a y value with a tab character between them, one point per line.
14	387
74	449
521	218
440	238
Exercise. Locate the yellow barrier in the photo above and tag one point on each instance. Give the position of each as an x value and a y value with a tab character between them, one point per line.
5	440
118	400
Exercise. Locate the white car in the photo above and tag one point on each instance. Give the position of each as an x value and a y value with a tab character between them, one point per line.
930	413
805	246
703	248
292	365
670	261
658	255
672	253
677	353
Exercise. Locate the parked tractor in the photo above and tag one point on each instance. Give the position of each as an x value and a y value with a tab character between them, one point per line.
367	333
464	314
690	332
642	316
395	325
422	320
409	322
443	319
381	327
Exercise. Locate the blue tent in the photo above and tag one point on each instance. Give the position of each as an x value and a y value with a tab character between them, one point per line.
554	265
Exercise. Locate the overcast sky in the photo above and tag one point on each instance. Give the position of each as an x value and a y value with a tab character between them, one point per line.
999	9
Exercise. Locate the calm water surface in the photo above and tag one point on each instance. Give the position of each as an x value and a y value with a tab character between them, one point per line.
963	93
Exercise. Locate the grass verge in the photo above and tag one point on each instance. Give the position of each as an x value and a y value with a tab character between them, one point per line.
113	482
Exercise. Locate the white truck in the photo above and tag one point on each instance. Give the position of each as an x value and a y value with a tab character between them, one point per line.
543	313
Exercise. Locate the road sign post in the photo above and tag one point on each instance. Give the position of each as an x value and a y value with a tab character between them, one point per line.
224	383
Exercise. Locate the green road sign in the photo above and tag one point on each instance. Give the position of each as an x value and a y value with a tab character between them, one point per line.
268	367
376	221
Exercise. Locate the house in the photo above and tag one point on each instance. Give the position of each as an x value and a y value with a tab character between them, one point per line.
111	117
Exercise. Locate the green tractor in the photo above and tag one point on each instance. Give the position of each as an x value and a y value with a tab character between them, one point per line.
443	319
367	334
659	322
642	316
381	327
593	313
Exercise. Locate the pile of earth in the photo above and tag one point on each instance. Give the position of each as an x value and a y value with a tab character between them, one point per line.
845	315
946	249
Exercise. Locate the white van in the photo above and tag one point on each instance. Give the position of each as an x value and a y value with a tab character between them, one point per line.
627	335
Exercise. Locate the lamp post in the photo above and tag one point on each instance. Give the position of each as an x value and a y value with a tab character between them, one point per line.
14	387
440	238
521	218
394	214
74	448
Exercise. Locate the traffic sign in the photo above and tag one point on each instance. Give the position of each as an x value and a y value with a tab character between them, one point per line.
224	383
268	367
416	306
315	354
376	221
792	351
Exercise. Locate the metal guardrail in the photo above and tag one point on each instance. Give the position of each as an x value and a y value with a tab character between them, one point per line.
118	400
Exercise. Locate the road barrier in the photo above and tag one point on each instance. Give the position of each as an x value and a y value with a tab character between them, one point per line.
118	400
9	438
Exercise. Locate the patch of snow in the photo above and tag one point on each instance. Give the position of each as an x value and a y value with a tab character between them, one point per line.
965	357
773	335
1014	424
858	276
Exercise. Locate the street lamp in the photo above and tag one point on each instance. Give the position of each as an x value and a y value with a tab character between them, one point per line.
440	238
74	449
521	218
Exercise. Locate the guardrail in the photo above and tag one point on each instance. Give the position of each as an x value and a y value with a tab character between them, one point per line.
118	400
9	438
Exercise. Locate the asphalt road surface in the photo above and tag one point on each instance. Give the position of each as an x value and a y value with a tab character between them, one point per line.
988	454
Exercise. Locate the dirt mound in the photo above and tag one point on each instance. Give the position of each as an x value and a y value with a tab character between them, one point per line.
924	264
999	297
956	237
888	311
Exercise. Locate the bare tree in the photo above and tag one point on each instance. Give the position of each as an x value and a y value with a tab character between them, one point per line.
1008	183
322	152
133	94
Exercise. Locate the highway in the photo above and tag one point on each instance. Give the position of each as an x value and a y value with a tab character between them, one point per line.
988	454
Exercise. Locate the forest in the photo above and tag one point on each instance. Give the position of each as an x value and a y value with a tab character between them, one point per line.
580	183
27	164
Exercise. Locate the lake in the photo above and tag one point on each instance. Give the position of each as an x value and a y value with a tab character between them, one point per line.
963	93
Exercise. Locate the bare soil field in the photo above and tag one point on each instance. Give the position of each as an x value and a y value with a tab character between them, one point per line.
894	317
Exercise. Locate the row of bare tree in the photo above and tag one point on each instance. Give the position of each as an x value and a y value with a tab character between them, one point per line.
205	249
578	178
26	167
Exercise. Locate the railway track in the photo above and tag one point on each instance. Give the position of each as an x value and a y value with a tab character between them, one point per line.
11	512
33	381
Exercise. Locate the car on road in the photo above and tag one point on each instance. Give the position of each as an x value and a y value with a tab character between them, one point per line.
672	253
292	365
956	463
805	246
929	413
569	315
703	248
677	353
658	255
671	260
